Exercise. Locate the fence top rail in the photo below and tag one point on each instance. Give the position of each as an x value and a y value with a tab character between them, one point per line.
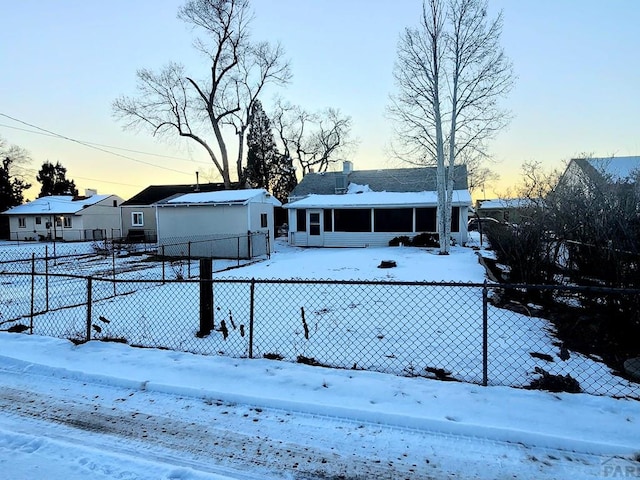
48	258
232	237
302	281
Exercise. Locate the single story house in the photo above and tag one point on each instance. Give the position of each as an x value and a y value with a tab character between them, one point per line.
508	210
223	224
139	212
65	217
601	172
371	207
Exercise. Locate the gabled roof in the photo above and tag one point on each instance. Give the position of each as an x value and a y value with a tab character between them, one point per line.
224	197
614	169
57	205
156	193
389	180
378	199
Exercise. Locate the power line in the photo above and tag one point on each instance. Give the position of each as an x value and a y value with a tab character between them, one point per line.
106	146
92	146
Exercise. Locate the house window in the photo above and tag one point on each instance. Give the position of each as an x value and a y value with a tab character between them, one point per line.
263	220
426	219
38	220
328	221
301	220
67	222
393	219
455	219
137	219
314	223
356	220
115	203
22	222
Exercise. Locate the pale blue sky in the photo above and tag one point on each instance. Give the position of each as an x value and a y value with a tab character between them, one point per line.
63	62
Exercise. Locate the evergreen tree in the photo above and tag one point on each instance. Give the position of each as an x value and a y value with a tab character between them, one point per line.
11	189
54	180
266	168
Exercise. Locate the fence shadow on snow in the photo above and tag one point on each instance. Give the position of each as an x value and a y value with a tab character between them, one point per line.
448	331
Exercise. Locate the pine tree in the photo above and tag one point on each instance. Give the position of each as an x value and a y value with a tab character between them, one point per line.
54	180
266	168
11	189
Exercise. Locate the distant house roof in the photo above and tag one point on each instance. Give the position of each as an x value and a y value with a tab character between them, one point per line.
378	199
614	169
56	205
156	193
239	197
389	180
503	203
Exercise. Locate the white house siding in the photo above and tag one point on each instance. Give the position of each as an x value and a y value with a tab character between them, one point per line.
366	239
34	231
99	221
260	244
217	236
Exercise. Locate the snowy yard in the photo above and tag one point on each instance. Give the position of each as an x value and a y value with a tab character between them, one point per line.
405	329
104	410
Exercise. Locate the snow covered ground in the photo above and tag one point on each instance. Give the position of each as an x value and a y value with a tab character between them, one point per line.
106	411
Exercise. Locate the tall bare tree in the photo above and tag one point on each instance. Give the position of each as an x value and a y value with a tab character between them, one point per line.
171	102
451	73
314	140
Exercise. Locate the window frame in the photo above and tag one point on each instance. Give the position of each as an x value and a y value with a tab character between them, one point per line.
22	222
264	220
133	219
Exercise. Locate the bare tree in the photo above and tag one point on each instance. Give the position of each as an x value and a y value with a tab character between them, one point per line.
313	140
170	102
451	73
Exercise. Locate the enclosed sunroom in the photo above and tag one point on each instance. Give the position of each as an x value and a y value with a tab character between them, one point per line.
371	219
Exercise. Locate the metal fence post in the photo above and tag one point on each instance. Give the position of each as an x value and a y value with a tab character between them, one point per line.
89	301
251	313
268	241
189	259
163	277
113	268
33	291
46	277
206	297
485	336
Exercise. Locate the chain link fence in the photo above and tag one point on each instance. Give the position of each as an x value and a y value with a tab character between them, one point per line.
239	247
447	331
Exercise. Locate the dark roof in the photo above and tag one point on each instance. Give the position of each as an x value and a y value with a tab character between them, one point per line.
155	193
390	180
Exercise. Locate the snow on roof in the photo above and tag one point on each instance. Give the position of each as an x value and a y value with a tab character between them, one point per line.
619	168
224	196
355	188
55	205
505	203
378	199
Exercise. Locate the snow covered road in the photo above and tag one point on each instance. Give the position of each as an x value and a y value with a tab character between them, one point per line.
100	411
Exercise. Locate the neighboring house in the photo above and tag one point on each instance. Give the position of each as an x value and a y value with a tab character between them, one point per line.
589	173
504	209
65	217
139	212
223	224
370	207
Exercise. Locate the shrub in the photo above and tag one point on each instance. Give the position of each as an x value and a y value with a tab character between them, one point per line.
403	239
426	240
554	383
